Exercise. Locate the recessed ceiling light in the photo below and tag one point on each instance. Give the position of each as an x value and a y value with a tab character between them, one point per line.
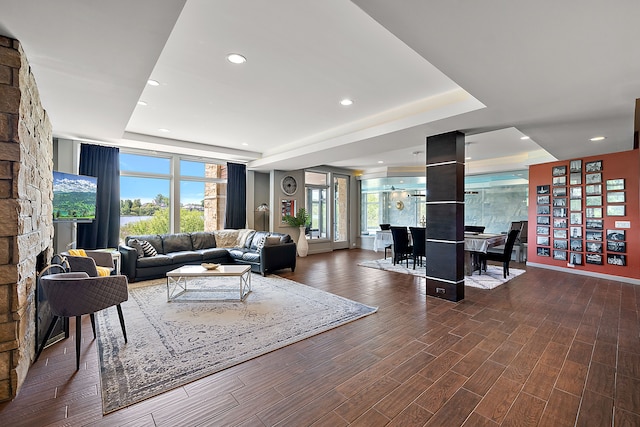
524	137
598	138
142	103
236	58
164	130
380	161
153	82
346	102
245	144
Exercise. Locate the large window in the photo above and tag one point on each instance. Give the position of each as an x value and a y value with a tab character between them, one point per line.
165	194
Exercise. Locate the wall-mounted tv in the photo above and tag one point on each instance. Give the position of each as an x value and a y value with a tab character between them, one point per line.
74	197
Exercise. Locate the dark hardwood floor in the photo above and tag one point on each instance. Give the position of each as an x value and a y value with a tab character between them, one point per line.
545	349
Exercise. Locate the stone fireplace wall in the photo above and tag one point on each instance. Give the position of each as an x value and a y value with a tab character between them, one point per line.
26	220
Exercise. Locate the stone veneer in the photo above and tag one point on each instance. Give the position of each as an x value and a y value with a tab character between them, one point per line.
26	222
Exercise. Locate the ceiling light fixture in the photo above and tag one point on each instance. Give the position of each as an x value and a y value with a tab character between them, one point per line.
164	130
598	138
236	58
153	82
142	103
524	137
346	102
380	161
245	144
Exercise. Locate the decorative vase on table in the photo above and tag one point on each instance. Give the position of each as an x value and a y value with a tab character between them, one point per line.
303	245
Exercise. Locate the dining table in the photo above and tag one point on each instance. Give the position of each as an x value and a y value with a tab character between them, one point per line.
474	243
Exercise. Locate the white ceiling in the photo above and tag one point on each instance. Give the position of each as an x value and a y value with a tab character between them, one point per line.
559	72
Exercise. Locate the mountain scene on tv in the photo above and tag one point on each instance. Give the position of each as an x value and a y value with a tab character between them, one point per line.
74	197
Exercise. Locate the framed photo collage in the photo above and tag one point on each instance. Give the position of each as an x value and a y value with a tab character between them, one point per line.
570	214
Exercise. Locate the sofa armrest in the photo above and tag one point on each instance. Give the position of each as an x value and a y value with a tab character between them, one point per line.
277	257
129	261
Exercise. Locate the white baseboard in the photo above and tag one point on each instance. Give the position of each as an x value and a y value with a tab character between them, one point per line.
586	273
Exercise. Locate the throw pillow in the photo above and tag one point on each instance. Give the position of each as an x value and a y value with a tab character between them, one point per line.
135	244
148	249
262	240
272	241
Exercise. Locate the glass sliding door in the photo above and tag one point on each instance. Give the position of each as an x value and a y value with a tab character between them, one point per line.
340	212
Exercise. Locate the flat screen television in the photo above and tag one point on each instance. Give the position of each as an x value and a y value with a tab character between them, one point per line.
74	197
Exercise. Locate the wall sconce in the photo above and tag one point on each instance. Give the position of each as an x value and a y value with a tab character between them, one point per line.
399	205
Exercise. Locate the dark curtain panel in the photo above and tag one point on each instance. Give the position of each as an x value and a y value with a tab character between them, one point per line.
236	210
104	163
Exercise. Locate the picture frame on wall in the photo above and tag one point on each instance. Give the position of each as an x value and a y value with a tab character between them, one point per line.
542	251
559	181
560	222
616	210
543	209
559	191
575	166
594	224
575	258
593	201
576	192
593	235
560	255
544	231
575	179
543	220
559	212
576	232
576	205
559	170
575	245
615	246
593	212
593	258
542	189
616	235
593	178
560	234
615	184
560	244
593	189
575	218
616	197
542	240
595	166
544	200
620	260
594	247
559	201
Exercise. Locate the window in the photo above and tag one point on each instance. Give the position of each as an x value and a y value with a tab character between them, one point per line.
164	194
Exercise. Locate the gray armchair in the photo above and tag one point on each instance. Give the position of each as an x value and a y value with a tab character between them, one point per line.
75	294
89	263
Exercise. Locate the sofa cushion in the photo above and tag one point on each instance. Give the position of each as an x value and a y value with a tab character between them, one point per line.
182	257
284	238
203	240
176	242
251	256
236	253
154	261
217	254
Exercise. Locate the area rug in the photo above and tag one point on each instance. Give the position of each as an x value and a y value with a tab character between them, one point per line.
490	279
171	344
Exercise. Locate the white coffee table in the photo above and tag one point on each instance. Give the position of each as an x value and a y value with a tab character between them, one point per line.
178	281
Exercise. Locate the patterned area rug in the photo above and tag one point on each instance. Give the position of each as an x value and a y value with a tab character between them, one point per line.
171	344
490	279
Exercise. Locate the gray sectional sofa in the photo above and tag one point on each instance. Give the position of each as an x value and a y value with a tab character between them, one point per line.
265	252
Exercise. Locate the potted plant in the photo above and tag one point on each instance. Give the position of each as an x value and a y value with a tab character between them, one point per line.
301	220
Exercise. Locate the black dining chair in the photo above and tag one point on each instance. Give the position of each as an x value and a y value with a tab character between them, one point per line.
386	227
401	248
504	257
418	236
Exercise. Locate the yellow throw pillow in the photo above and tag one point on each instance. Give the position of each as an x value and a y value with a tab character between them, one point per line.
103	271
77	252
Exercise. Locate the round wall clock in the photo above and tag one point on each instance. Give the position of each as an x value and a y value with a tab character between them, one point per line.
289	185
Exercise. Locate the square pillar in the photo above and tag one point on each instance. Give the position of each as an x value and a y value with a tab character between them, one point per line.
445	216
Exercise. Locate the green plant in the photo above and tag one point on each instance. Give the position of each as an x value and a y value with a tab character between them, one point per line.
302	219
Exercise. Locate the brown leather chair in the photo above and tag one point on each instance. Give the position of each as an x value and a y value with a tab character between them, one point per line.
75	294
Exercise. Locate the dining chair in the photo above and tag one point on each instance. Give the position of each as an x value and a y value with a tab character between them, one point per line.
474	228
401	248
76	294
504	257
386	227
418	236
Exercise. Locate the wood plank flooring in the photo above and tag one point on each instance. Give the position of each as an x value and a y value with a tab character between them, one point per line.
546	349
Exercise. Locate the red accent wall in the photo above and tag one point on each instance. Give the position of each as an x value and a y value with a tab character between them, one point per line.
623	165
